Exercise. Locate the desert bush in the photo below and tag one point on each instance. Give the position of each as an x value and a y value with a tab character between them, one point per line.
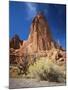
45	69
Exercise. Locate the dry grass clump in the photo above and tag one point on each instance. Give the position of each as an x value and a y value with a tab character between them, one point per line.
13	71
45	69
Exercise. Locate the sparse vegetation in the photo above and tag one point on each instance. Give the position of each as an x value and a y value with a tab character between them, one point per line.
45	69
42	69
19	69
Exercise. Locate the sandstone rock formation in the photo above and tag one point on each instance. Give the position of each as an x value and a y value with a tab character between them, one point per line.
39	43
40	38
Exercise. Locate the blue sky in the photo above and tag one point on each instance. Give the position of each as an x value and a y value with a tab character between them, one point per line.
21	15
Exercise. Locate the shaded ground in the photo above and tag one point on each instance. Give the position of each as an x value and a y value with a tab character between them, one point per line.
30	83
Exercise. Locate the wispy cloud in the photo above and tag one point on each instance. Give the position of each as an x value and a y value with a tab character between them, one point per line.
32	10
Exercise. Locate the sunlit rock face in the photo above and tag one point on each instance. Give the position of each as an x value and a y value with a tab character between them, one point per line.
40	38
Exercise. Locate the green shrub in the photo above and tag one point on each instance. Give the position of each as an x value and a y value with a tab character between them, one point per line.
45	69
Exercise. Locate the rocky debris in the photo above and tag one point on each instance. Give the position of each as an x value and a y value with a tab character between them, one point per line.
57	55
61	57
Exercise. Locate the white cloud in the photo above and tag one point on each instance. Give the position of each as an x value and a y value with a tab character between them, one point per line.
32	10
31	7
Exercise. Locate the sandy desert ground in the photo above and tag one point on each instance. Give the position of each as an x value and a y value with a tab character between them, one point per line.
31	83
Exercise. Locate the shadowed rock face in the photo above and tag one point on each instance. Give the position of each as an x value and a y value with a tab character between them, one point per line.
15	42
